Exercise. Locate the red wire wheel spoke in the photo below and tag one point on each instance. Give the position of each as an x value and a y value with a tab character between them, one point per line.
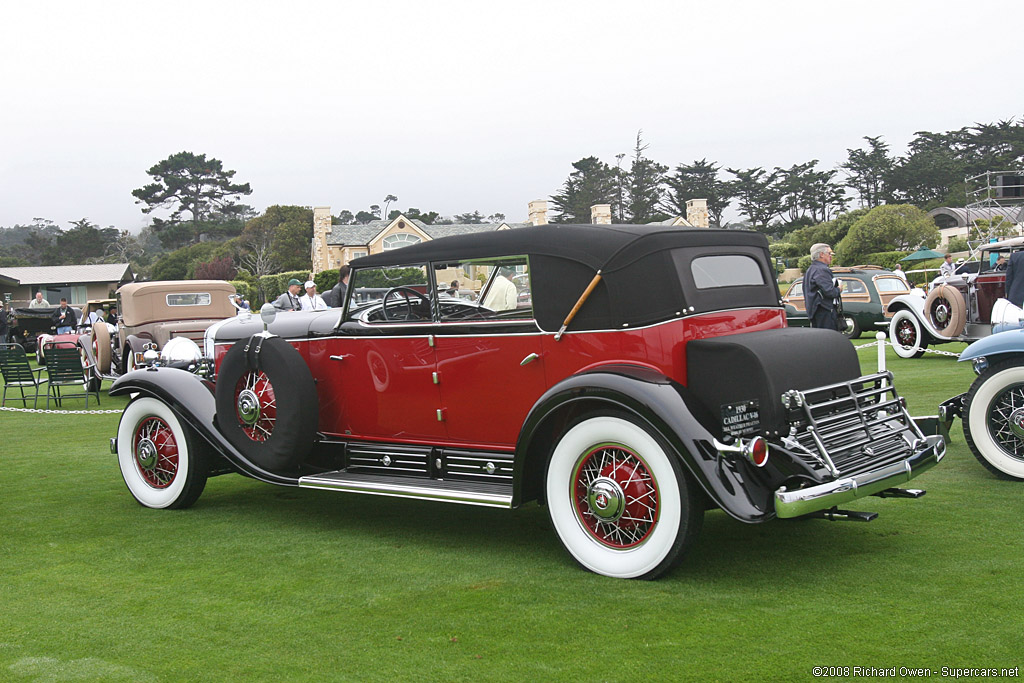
156	452
615	496
256	405
906	333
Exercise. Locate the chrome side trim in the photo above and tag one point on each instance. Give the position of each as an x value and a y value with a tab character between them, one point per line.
410	490
813	498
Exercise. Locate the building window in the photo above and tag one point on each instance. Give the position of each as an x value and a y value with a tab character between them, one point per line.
400	239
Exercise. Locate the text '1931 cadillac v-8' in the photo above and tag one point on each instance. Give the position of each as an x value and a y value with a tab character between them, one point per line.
627	377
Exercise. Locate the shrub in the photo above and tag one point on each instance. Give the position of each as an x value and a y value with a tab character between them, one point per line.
325	280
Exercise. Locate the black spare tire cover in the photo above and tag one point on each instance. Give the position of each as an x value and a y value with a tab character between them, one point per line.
750	372
267	405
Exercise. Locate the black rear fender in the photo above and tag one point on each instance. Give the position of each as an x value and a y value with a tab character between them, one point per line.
664	405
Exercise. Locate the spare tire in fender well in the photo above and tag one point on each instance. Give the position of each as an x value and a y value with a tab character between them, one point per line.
267	405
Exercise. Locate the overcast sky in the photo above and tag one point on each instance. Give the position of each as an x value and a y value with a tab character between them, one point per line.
462	106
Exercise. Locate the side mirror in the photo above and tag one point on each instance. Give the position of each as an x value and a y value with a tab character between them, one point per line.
268	313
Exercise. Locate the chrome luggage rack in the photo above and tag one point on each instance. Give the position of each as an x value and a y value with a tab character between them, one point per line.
851	427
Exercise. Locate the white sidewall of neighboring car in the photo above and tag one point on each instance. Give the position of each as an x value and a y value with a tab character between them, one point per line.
977	416
134	414
587	551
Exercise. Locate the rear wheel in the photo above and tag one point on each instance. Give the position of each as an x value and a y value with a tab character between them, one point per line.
994	419
164	463
621	505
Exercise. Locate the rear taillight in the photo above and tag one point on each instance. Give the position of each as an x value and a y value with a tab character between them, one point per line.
756	451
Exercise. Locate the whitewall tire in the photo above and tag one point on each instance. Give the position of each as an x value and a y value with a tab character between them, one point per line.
163	462
621	504
994	419
907	335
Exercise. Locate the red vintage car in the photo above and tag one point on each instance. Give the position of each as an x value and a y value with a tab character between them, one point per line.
645	376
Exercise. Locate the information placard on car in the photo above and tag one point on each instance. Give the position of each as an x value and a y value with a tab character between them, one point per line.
741	419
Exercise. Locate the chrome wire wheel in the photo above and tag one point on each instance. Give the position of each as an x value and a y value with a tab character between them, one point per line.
993	418
1006	421
156	452
256	405
618	499
615	495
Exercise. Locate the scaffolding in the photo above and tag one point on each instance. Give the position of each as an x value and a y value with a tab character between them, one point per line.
996	194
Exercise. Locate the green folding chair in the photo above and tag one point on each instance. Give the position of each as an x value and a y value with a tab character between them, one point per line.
18	373
66	368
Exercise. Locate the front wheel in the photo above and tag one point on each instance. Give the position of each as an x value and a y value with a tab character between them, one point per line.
994	419
906	335
621	505
163	462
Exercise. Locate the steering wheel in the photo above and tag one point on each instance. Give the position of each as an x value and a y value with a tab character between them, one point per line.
405	293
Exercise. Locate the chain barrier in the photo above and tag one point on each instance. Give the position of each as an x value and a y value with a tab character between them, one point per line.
59	412
935	351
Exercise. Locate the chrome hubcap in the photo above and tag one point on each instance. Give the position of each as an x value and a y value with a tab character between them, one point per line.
1017	423
606	499
146	454
248	406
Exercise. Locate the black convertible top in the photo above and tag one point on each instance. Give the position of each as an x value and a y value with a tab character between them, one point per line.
591	245
646	269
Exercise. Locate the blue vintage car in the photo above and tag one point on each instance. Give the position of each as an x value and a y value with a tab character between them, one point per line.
993	408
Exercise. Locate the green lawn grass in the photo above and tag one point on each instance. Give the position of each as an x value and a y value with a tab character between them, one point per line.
270	583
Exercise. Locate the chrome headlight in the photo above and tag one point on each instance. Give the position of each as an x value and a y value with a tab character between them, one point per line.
180	350
980	365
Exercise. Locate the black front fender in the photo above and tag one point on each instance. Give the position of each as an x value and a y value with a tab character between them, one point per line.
192	399
664	405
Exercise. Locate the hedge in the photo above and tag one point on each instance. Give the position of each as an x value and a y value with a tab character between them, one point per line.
243	289
275	285
325	280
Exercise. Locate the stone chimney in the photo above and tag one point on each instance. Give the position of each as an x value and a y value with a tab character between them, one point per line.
697	213
538	212
601	214
321	228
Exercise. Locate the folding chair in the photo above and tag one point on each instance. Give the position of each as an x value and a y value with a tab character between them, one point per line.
18	373
66	368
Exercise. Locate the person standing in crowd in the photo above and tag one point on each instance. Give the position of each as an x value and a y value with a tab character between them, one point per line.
821	290
289	301
335	297
5	328
1015	279
311	301
946	269
899	272
112	316
64	318
503	295
39	301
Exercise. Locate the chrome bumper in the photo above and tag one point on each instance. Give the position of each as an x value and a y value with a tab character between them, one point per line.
823	496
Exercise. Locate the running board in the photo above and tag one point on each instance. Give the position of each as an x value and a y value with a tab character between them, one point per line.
446	491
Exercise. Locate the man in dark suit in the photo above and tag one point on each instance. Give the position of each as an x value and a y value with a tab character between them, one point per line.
1015	279
821	291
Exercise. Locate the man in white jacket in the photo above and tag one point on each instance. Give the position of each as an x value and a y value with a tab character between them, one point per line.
311	301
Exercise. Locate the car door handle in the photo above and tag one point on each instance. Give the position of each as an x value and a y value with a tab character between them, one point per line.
529	359
341	357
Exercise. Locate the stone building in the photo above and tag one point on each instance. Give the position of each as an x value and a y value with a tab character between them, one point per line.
335	245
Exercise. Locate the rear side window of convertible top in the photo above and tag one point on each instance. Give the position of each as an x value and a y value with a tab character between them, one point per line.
725	270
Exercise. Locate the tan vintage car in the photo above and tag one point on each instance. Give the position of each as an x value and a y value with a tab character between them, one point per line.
151	314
